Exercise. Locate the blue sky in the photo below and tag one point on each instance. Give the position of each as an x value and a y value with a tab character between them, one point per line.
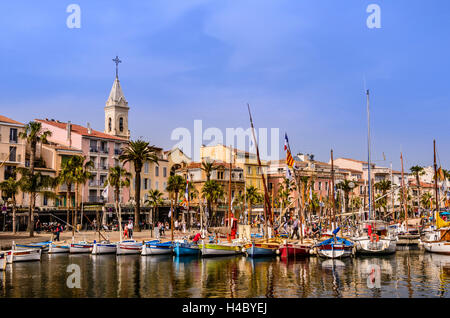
300	65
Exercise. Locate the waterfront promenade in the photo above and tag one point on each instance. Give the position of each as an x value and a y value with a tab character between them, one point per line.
6	238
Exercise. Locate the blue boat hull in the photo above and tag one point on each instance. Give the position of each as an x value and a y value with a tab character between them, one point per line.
257	251
182	250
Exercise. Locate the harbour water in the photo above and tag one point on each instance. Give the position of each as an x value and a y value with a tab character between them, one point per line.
404	274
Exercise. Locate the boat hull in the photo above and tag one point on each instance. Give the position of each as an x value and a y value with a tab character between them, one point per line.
58	249
14	256
44	246
408	240
260	250
185	249
156	249
129	248
294	250
219	250
77	248
104	248
438	247
365	246
2	260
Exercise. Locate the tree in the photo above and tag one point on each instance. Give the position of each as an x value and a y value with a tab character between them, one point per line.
384	186
33	134
345	186
175	185
213	192
9	189
253	197
34	184
208	168
418	171
67	176
155	200
118	178
81	176
426	200
138	152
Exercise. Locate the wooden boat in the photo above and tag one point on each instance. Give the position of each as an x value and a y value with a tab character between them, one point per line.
40	245
294	249
104	247
185	248
129	247
3	260
437	241
23	255
58	248
81	247
381	240
262	248
219	249
157	247
335	247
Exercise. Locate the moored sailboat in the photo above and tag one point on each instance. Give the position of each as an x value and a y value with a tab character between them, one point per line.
104	247
81	247
58	248
156	247
128	247
186	248
23	255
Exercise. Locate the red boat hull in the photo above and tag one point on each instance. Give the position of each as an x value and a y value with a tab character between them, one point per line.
293	251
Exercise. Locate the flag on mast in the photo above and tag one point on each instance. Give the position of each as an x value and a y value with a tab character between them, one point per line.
105	193
185	202
289	159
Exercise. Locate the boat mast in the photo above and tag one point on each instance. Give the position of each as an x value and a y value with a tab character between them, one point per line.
267	208
435	182
368	155
333	208
404	196
229	194
392	192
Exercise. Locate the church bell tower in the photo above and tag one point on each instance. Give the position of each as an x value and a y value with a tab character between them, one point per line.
116	109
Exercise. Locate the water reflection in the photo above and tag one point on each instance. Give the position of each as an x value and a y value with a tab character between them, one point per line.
405	274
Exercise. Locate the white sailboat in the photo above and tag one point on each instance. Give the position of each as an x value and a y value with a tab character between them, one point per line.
104	247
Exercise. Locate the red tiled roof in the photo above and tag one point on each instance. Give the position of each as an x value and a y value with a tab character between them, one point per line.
9	120
81	130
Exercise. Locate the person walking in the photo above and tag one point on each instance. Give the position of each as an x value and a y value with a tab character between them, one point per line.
58	230
295	228
130	229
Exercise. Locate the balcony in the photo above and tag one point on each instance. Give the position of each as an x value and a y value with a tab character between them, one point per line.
93	149
96	183
104	166
95	199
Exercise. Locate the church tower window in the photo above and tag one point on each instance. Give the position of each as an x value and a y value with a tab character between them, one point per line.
109	124
121	124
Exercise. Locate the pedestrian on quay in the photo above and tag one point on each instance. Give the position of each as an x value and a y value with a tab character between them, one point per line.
38	226
125	232
58	230
295	228
130	229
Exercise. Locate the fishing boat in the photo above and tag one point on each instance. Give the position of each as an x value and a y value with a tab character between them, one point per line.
58	248
157	247
220	248
104	247
40	245
294	249
408	233
186	248
23	255
335	247
2	260
129	247
262	248
81	247
375	237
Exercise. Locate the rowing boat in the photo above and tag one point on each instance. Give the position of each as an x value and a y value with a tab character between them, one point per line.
58	248
23	255
104	247
129	247
219	249
81	247
157	247
294	249
185	248
40	245
335	247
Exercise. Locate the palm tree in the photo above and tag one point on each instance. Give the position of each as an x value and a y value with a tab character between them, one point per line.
33	184
175	184
418	171
81	176
67	176
345	186
9	189
138	152
426	200
208	168
33	134
155	200
253	197
118	178
213	192
384	186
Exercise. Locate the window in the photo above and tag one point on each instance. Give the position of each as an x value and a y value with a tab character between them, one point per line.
13	135
164	172
145	185
146	167
109	124
12	153
45	200
121	124
249	170
320	186
93	145
10	172
157	171
156	185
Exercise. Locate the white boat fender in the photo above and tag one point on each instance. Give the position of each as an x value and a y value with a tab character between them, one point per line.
277	252
244	250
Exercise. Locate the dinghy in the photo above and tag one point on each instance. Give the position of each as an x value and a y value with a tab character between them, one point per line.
295	249
58	248
157	247
185	248
44	246
219	249
23	255
104	247
129	247
81	247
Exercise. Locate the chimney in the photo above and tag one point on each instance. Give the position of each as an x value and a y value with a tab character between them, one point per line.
69	133
89	128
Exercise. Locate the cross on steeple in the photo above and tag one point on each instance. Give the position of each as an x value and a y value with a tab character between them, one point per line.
117	61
